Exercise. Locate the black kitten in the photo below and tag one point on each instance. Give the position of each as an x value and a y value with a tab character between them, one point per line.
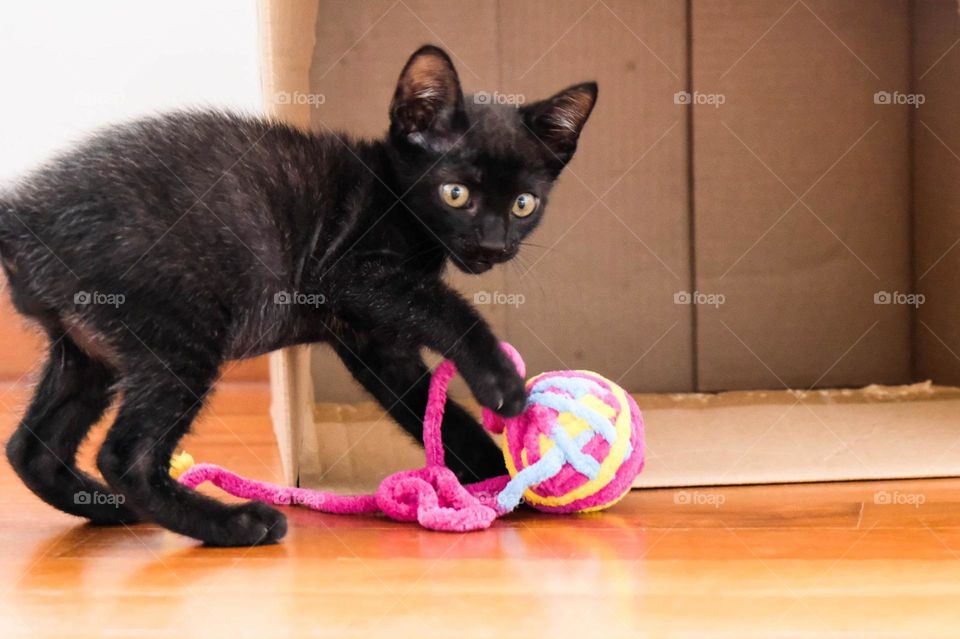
156	251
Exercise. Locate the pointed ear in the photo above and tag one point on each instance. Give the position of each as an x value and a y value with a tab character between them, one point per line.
427	107
557	121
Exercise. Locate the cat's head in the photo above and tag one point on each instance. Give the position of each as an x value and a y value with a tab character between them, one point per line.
476	173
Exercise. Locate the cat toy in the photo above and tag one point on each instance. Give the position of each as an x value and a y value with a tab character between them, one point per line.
577	447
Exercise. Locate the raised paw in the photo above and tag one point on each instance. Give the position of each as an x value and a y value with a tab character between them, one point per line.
504	391
250	524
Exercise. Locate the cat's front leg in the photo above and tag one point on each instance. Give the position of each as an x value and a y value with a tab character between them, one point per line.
399	380
429	313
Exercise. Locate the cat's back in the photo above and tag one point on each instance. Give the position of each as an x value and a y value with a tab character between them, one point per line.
152	160
180	186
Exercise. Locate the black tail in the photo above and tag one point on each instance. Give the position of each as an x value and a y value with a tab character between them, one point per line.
8	216
6	211
6	256
13	234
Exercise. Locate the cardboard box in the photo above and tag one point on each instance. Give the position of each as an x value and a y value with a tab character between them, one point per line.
695	439
738	157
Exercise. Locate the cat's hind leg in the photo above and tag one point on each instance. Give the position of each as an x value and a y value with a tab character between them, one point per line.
73	393
161	400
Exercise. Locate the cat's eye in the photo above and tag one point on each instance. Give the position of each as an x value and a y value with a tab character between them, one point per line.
455	195
525	204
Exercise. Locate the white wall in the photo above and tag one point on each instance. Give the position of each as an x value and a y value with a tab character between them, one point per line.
67	67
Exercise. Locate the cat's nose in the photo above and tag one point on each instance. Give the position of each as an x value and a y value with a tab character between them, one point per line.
493	247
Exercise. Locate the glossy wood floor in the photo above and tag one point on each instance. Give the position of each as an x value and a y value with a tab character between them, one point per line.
791	561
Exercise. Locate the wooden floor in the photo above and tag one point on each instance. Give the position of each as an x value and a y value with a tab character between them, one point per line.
788	561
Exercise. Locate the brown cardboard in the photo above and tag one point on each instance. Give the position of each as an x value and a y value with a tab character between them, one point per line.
799	119
697	439
754	437
936	198
602	297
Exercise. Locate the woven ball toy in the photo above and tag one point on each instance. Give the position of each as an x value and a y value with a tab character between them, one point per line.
577	447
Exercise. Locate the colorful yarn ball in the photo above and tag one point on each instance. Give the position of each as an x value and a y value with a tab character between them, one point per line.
576	448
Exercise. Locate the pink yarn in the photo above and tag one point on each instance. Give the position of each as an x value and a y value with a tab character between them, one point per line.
269	493
432	495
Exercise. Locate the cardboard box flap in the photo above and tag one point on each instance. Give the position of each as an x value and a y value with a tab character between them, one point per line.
740	437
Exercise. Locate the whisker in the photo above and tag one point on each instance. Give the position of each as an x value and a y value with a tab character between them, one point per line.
521	262
546	249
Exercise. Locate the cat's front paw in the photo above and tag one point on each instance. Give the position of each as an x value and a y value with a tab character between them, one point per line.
504	392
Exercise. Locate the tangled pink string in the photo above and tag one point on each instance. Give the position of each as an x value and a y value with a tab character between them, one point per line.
431	496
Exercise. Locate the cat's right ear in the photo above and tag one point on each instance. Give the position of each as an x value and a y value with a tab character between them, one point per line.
427	108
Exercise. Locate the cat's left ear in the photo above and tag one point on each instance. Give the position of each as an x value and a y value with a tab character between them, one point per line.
557	121
427	109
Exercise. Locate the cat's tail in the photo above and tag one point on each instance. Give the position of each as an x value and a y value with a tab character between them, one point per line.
6	212
11	229
12	226
7	215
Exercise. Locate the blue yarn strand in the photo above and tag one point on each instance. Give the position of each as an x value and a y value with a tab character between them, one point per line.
576	386
564	404
545	468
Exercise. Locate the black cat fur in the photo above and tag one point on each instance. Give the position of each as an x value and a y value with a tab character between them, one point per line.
205	237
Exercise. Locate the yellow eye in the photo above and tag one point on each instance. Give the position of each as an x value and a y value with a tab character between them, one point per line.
525	204
455	195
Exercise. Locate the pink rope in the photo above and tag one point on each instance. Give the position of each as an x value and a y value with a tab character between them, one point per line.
433	416
432	495
238	486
